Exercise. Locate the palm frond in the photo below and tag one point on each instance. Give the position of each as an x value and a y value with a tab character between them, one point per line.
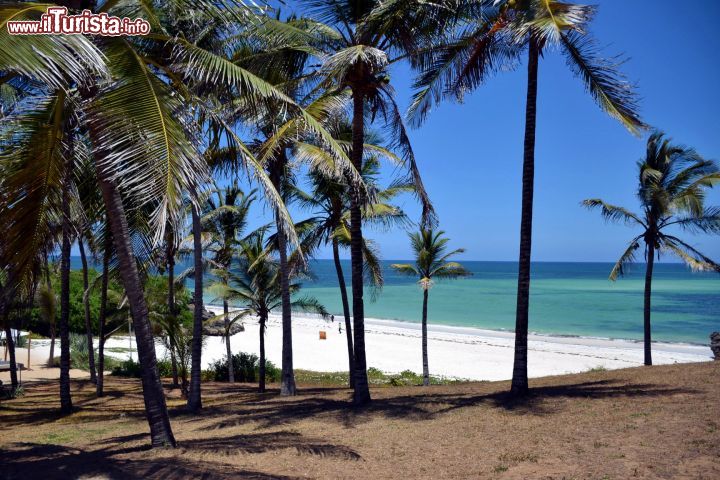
606	84
613	213
627	258
693	258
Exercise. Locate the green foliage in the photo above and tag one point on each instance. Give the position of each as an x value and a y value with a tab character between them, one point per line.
431	258
7	392
131	368
128	368
37	323
20	341
79	355
246	367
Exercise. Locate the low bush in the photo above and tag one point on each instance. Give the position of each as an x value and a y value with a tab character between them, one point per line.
127	368
131	368
246	367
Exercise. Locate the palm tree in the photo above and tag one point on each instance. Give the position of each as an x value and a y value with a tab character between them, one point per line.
194	395
329	200
672	184
104	285
431	261
89	209
257	288
359	38
491	36
224	219
65	398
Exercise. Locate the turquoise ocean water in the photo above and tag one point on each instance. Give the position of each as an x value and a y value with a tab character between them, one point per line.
574	299
566	299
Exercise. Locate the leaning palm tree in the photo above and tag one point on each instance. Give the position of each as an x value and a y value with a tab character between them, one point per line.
431	262
256	287
491	36
672	185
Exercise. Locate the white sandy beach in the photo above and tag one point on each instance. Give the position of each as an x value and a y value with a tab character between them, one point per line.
453	351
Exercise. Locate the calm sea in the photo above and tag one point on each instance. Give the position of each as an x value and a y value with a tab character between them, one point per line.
573	299
566	299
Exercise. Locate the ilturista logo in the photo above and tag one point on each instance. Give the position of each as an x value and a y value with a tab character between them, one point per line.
57	22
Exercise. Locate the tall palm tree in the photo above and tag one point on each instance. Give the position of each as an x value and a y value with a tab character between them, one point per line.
490	36
194	395
431	261
65	398
104	285
329	200
89	209
362	38
256	287
673	180
224	220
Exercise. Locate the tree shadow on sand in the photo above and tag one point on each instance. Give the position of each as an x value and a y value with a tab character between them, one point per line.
114	461
427	405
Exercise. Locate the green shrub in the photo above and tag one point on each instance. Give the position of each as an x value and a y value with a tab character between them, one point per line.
131	368
165	368
128	368
246	367
79	357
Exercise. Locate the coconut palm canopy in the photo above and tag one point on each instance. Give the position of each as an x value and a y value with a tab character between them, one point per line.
673	182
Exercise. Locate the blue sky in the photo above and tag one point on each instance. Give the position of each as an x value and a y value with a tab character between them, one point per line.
470	155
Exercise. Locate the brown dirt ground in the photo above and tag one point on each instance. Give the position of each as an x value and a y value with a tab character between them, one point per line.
656	422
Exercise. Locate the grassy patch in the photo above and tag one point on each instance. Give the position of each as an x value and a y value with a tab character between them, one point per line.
375	377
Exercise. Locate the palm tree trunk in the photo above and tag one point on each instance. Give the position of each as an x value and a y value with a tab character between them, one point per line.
426	368
86	305
51	358
65	398
10	342
520	380
287	385
101	320
155	407
346	310
231	370
361	393
287	380
261	380
646	308
195	399
171	308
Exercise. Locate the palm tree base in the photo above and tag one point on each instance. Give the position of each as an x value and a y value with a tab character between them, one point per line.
518	391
